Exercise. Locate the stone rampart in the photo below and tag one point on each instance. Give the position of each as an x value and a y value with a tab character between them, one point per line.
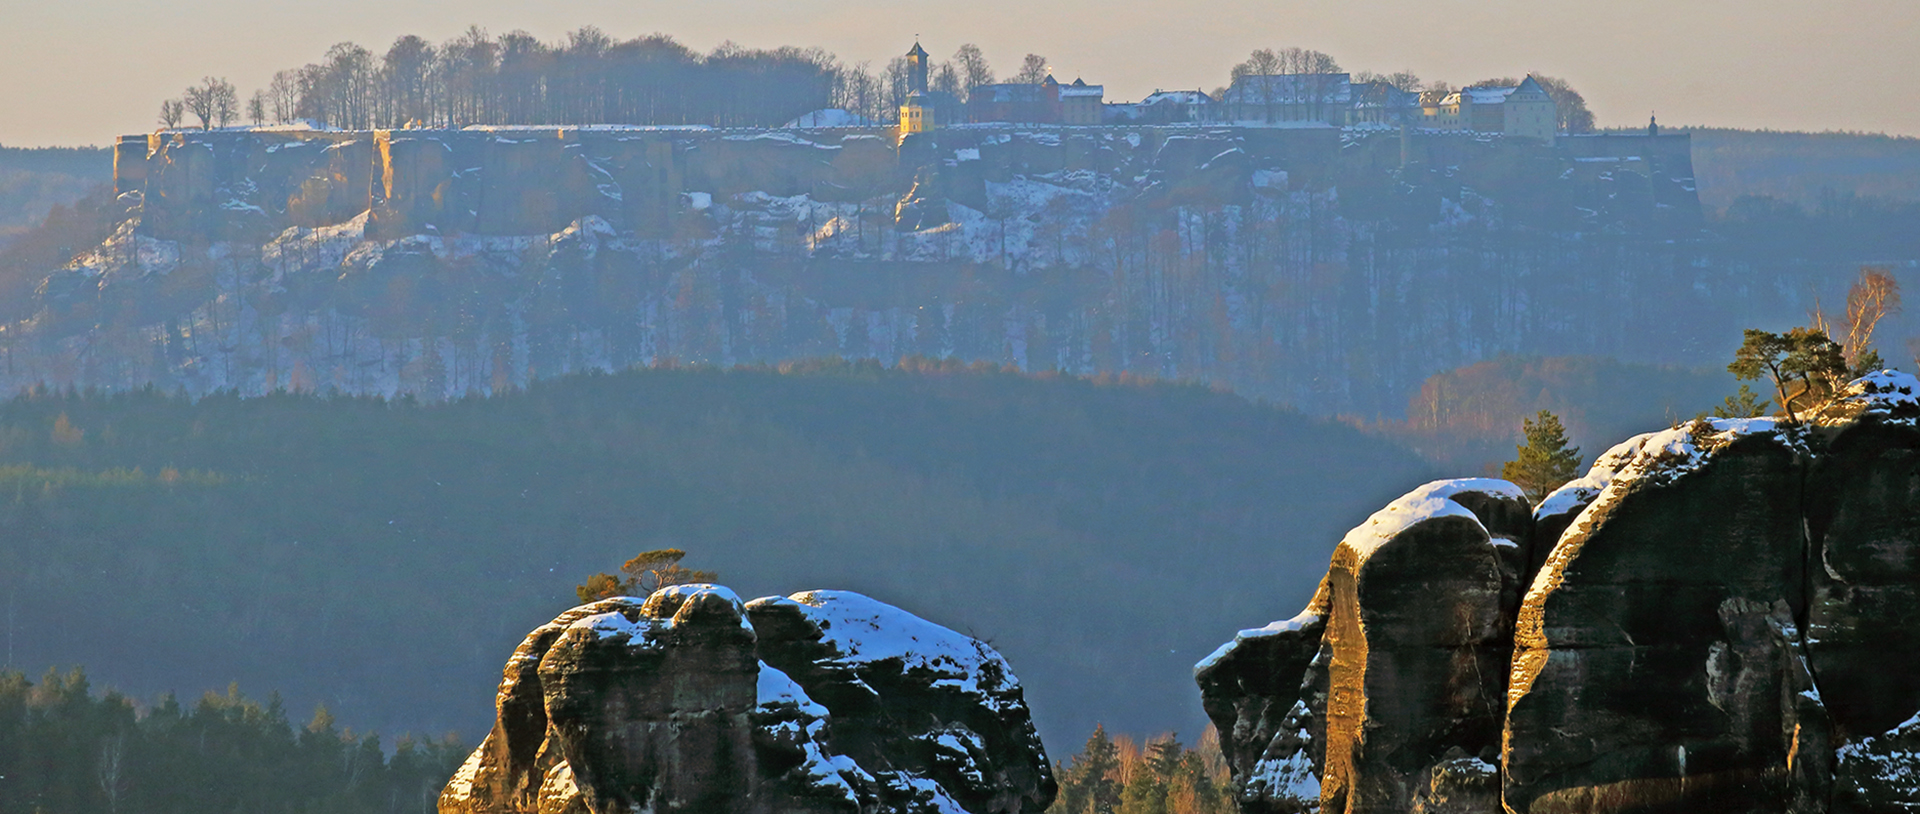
252	184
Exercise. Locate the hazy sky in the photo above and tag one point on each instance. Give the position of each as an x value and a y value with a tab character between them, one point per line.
83	71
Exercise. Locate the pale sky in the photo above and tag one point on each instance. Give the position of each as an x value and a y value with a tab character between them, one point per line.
78	72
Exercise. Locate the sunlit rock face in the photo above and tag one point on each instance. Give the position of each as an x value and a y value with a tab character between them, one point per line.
679	702
1718	617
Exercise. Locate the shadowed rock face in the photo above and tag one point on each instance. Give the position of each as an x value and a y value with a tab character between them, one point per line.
667	705
1399	665
1718	617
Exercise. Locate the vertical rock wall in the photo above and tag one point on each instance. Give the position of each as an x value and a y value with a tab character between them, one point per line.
1722	620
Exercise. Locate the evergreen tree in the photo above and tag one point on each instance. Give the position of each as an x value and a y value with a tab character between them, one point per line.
1544	462
646	572
1743	404
1090	785
1804	364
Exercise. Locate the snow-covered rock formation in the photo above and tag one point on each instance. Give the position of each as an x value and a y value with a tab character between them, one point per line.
692	701
1718	617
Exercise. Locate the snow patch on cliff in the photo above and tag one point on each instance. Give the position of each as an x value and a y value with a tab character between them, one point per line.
1886	394
1431	501
1285	781
865	631
1307	618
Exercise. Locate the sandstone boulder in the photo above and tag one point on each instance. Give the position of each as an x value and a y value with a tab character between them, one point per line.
1397	666
692	701
1717	617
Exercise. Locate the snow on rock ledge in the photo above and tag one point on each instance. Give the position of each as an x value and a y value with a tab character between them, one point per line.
1717	617
691	700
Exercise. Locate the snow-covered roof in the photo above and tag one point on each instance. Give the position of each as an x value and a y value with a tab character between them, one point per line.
1529	86
1080	89
1488	96
1177	97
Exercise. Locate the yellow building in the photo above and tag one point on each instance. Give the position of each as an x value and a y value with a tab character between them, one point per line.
916	116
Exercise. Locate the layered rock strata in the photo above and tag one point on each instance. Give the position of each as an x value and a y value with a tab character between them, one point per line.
692	701
1718	617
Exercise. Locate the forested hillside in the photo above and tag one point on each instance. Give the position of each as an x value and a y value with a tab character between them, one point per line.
1806	169
1468	419
385	557
32	182
66	748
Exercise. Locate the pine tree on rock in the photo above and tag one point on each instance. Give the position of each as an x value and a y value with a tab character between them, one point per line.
1806	366
647	572
1545	462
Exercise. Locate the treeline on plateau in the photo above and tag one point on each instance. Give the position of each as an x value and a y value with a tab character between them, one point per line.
66	750
385	557
588	78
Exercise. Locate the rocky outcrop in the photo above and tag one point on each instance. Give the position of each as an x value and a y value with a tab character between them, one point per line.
691	701
1718	617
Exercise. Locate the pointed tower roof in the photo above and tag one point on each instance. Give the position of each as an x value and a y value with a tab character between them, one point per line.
1529	85
917	50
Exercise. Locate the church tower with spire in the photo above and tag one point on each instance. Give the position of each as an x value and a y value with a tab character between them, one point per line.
917	115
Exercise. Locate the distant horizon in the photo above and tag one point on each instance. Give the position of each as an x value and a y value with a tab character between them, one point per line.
87	71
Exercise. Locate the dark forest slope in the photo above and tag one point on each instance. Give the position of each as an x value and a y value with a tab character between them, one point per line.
384	558
35	181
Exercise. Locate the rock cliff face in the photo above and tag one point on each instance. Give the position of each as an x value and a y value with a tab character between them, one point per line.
690	701
1330	269
1718	617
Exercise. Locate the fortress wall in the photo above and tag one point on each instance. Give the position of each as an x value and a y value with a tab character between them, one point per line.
232	185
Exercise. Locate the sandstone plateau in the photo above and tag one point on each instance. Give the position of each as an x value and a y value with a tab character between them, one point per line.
1721	616
691	701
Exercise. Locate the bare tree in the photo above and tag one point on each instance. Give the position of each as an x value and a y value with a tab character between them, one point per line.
1870	299
112	774
405	74
895	85
858	91
226	103
1262	62
946	79
209	101
283	94
171	112
972	67
257	108
1033	70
